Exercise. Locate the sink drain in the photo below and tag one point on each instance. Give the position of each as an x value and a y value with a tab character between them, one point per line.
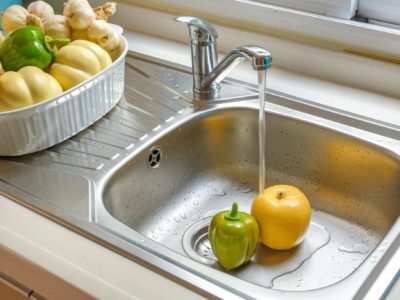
154	158
196	243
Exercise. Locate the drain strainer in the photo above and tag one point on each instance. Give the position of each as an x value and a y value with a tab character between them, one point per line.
196	243
154	158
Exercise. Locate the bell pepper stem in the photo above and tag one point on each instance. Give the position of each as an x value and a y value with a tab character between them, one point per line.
51	42
234	214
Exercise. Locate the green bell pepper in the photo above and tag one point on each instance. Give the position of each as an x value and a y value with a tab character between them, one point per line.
233	236
28	46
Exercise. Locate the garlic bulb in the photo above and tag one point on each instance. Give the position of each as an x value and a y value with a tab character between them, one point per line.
103	34
14	17
34	20
78	34
115	53
56	26
105	11
79	13
41	9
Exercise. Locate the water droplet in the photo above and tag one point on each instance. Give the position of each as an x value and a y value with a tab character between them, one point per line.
177	85
218	192
355	248
246	190
182	215
176	219
382	249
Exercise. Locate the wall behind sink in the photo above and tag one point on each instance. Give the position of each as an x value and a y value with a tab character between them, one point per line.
58	4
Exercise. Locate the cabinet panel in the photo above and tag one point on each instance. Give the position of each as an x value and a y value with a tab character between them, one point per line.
9	291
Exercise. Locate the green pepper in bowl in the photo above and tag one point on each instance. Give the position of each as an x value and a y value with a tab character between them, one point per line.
28	46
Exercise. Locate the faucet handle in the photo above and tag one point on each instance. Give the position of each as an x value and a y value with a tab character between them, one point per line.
200	30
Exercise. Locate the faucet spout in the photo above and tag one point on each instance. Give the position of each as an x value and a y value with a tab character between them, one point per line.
259	58
207	73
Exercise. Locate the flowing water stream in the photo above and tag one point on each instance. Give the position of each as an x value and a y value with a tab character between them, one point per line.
262	81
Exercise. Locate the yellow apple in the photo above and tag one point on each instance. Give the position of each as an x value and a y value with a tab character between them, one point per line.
283	215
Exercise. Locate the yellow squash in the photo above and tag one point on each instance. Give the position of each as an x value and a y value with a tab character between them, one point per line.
283	214
77	62
26	87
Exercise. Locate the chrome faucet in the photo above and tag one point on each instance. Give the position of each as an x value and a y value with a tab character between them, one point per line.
207	72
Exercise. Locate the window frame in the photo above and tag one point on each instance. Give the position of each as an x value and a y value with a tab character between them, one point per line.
364	39
345	9
387	11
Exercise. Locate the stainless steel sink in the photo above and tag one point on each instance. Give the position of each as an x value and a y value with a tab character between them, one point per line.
200	167
146	179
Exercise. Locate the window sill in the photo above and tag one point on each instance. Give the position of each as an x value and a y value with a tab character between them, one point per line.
320	30
303	57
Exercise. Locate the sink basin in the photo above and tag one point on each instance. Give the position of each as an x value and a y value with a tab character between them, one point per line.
146	179
169	191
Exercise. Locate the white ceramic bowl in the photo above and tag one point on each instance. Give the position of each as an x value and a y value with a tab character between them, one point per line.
47	123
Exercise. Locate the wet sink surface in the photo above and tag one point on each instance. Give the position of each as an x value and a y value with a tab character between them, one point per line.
198	169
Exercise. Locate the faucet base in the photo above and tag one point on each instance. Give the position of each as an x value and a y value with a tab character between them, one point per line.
211	91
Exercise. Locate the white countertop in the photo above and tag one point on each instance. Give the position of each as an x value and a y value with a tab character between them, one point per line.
102	273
